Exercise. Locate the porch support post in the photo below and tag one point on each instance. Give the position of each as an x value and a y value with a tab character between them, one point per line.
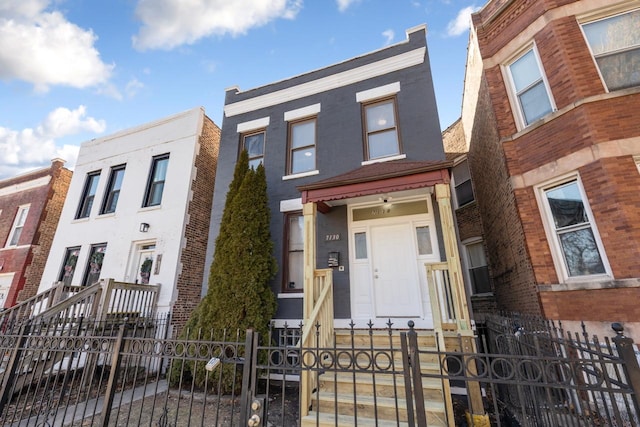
309	210
443	195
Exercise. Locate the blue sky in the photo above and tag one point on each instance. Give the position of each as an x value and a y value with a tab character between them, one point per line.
73	70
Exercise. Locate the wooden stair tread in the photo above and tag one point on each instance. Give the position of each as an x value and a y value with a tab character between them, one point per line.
429	405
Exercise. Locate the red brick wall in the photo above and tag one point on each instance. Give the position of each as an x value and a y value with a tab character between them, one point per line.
508	258
189	283
50	215
608	305
37	233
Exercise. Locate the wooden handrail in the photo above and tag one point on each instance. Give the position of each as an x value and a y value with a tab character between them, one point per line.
318	322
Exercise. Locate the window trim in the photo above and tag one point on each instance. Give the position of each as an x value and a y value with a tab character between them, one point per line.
365	130
512	94
87	268
19	222
67	254
242	145
291	150
552	236
467	263
85	197
110	190
455	184
285	259
150	181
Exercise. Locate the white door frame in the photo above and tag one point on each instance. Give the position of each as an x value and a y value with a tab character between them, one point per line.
361	270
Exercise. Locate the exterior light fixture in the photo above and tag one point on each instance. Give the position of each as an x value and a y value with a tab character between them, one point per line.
144	227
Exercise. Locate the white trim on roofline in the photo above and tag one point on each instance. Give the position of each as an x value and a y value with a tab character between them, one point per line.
23	186
334	81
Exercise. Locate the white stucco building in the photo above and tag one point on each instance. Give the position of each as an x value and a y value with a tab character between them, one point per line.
138	210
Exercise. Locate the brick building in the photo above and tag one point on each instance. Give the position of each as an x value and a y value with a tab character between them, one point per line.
30	206
550	117
138	211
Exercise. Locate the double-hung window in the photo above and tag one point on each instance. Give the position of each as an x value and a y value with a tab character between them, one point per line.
254	144
462	183
294	271
573	230
381	129
530	87
18	225
113	190
88	195
477	267
615	45
302	146
155	184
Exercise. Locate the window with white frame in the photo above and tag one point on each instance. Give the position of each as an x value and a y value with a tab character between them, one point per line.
294	261
477	267
462	183
88	195
530	87
302	146
254	144
615	45
381	129
573	230
18	225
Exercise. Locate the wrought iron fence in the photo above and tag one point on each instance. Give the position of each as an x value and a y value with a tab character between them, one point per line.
85	373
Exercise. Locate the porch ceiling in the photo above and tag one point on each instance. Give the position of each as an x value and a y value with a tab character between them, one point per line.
377	178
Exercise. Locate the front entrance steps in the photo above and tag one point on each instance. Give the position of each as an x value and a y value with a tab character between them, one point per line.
365	385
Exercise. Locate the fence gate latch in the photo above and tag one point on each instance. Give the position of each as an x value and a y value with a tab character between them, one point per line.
256	413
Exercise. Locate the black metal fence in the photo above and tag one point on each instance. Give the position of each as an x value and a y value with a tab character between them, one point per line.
516	373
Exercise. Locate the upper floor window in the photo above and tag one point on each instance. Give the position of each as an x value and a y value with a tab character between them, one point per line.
155	184
88	194
615	45
575	237
462	183
254	144
18	225
381	131
113	189
302	146
530	87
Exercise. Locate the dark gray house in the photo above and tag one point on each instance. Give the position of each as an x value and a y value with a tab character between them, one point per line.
359	190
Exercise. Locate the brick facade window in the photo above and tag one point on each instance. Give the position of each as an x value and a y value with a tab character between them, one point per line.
302	146
615	45
18	225
254	144
576	243
94	264
529	87
477	267
381	129
462	184
113	189
294	259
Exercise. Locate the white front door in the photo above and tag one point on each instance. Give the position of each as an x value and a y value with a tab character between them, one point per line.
396	288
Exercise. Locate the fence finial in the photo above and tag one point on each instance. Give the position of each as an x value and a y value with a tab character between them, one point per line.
410	324
618	328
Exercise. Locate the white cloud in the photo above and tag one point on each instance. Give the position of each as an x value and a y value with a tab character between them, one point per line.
169	23
344	4
388	36
30	148
43	48
133	87
462	22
